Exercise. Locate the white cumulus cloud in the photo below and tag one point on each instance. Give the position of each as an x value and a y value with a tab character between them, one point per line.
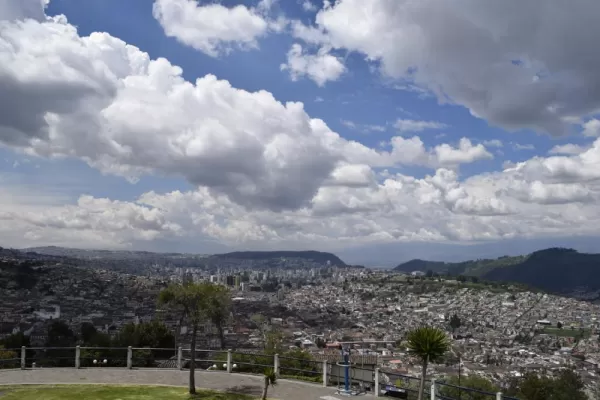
211	28
320	67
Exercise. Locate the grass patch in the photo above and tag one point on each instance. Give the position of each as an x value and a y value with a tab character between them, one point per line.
110	392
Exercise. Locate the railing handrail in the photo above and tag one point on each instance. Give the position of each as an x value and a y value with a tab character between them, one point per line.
324	366
442	383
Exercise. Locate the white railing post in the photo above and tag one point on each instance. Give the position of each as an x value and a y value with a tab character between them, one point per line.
78	357
324	373
376	383
433	392
179	358
229	360
499	396
276	364
23	357
129	357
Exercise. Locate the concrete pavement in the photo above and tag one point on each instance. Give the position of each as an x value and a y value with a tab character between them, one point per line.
241	383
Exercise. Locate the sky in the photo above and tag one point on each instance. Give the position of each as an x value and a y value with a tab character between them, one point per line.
380	130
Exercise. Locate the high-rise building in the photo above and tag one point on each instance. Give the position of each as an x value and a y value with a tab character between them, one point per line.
237	281
230	280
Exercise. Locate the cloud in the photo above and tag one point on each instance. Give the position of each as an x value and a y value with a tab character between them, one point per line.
308	6
363	127
353	207
107	103
141	116
554	193
568	149
498	60
320	67
211	28
412	151
465	153
591	128
22	9
518	146
421	92
308	34
264	173
32	216
410	125
493	143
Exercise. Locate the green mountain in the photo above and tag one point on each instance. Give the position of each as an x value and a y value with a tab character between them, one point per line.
555	270
472	267
311	255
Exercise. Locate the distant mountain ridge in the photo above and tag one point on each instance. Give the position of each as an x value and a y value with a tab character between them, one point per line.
90	254
100	253
556	270
312	255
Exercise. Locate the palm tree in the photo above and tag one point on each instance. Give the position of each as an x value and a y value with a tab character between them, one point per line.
270	379
429	344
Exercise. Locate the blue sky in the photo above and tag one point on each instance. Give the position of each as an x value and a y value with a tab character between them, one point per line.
409	164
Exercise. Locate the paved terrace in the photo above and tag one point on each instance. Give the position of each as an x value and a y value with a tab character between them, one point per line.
241	383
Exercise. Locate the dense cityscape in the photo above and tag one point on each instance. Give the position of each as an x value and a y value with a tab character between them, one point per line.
498	331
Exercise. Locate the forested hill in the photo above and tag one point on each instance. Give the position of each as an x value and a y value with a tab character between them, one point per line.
311	255
471	267
556	270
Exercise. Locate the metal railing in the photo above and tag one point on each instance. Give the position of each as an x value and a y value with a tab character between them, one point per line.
407	387
365	378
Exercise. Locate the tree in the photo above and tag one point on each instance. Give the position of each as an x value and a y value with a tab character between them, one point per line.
15	341
259	320
567	385
7	358
472	382
270	379
60	335
559	325
87	332
59	338
298	362
455	322
273	342
218	309
430	345
153	334
191	299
